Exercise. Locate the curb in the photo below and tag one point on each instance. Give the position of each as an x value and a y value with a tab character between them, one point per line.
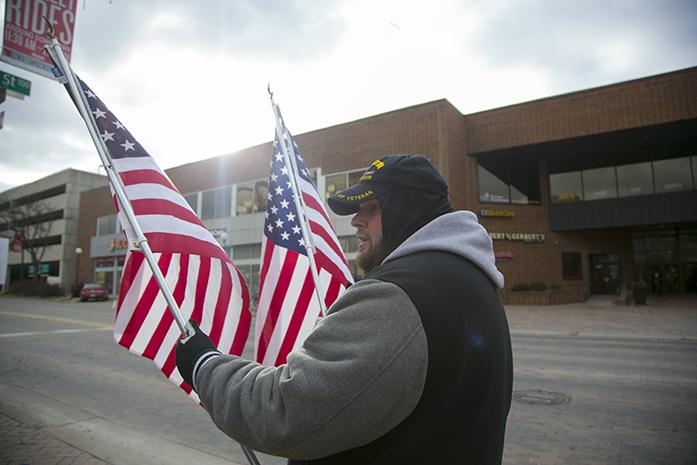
108	441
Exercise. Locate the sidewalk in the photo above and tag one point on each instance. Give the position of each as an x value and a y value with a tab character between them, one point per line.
662	318
22	444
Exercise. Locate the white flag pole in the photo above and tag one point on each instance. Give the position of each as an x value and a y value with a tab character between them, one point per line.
114	179
287	149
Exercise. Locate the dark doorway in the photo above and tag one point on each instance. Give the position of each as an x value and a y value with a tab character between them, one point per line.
606	273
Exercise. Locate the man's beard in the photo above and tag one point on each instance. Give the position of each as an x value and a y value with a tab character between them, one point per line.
371	257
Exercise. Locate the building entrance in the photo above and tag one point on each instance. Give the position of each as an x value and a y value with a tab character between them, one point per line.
665	258
606	273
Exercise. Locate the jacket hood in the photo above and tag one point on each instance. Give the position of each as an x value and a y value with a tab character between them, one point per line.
459	233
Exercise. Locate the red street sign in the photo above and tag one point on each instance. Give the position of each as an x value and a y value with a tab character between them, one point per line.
25	32
17	243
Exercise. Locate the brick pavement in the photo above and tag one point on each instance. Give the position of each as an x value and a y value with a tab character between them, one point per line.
21	444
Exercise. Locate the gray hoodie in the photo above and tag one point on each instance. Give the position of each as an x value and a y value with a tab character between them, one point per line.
359	373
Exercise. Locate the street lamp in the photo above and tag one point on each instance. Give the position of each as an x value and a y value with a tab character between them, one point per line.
78	252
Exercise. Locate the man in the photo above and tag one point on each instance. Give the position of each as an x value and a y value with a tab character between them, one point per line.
412	365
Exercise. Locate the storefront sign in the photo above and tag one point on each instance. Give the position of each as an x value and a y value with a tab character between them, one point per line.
496	213
117	244
503	256
25	32
525	237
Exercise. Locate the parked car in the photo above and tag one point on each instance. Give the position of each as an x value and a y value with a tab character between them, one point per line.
94	292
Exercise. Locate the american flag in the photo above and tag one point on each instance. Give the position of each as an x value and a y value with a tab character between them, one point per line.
288	306
205	283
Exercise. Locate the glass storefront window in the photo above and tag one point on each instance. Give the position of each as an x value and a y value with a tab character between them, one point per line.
566	187
216	203
518	197
672	175
491	188
635	179
349	243
261	192
245	198
106	225
354	177
192	200
245	251
334	184
599	183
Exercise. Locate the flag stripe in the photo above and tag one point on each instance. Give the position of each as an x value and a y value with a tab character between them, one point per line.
147	176
167	319
291	334
279	294
165	207
168	242
144	304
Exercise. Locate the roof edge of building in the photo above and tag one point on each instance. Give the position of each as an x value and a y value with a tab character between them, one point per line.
584	91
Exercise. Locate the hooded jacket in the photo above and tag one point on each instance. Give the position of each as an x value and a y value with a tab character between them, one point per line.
367	369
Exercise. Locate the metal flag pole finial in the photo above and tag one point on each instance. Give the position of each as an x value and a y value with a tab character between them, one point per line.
50	33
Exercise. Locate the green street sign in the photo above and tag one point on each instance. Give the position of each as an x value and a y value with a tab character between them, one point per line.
15	83
43	269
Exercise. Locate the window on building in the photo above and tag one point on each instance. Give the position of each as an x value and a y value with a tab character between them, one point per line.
192	200
246	251
251	277
334	183
106	225
245	198
354	177
348	244
491	188
510	181
216	203
261	192
599	183
566	187
572	269
672	175
635	179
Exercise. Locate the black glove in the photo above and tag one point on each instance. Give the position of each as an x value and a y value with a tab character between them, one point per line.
192	352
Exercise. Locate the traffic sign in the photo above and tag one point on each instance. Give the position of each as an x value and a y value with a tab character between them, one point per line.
15	83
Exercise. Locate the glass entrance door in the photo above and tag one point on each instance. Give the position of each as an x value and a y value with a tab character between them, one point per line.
606	273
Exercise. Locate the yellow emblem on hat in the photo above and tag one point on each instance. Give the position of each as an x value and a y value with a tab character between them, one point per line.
378	164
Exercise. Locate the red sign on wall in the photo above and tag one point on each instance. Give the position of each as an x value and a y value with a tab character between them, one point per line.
25	32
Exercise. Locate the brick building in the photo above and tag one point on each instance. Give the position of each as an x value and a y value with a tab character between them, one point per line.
584	193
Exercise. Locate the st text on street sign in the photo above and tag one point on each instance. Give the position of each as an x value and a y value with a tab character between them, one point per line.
14	83
25	32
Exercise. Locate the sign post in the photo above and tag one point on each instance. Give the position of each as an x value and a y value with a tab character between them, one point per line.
25	32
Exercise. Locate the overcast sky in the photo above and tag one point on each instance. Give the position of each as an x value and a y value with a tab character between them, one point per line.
188	78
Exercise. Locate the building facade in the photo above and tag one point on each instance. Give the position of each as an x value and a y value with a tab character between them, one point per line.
583	193
56	201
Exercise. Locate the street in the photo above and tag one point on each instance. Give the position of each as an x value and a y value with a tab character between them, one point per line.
578	399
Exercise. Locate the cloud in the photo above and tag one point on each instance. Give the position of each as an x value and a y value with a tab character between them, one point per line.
292	30
580	41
